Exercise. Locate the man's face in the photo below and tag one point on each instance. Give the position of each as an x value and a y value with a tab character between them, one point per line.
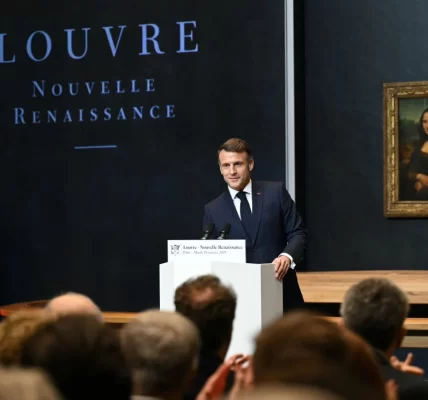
235	168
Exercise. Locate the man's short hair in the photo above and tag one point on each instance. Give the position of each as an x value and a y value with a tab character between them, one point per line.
161	349
236	145
303	349
73	303
375	309
211	306
82	356
16	329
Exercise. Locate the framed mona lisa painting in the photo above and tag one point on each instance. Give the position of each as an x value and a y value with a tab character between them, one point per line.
406	149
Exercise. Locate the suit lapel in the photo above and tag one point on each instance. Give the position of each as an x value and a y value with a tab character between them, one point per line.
257	196
235	221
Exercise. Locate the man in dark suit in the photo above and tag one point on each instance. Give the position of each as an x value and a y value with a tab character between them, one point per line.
263	214
376	310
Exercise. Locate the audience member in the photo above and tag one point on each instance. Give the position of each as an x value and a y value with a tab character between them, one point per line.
161	349
211	306
16	329
74	303
304	349
181	355
376	309
19	384
82	356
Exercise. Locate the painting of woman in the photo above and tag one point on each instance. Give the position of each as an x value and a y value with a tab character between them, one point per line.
418	166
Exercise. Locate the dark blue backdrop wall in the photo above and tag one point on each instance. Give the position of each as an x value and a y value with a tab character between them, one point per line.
345	51
87	73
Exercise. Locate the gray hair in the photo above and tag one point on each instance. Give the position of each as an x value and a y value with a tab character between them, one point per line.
375	309
74	303
161	348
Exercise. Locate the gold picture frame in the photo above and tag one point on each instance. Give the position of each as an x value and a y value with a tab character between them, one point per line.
405	149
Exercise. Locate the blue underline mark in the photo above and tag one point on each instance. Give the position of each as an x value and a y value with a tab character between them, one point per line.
104	146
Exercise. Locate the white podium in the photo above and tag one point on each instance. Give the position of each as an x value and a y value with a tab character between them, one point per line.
259	293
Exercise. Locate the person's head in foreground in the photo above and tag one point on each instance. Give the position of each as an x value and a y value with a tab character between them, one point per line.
211	306
74	303
376	309
82	356
304	349
16	329
161	349
20	384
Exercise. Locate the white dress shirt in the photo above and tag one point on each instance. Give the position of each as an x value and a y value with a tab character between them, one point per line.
237	202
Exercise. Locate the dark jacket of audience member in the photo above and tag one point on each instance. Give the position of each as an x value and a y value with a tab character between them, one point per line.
211	306
376	309
82	356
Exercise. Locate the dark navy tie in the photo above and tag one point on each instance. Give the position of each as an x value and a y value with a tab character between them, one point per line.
246	217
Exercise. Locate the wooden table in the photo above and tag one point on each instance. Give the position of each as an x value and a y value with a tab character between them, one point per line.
330	287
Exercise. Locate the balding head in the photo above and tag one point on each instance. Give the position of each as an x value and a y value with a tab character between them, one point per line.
74	303
162	351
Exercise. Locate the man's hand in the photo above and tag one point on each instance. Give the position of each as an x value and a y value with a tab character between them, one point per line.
243	378
215	385
282	263
406	365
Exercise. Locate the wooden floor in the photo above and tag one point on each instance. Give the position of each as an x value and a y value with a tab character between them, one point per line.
330	287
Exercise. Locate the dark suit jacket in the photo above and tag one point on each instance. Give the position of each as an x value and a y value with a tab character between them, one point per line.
410	387
277	228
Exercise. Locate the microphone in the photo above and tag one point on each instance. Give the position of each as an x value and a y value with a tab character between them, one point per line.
208	231
224	233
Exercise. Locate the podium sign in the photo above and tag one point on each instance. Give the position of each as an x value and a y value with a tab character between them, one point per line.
191	258
207	250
